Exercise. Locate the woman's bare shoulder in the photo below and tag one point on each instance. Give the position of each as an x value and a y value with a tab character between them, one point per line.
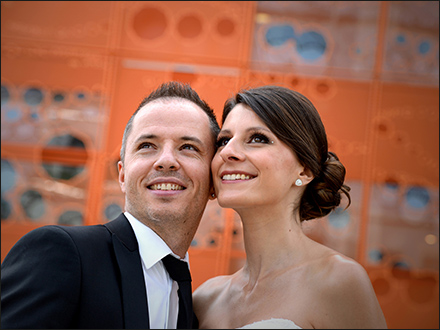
345	292
210	302
210	290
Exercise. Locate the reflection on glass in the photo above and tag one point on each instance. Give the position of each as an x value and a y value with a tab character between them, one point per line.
6	209
311	45
61	171
33	204
59	97
417	197
13	115
339	218
279	34
66	140
5	95
8	177
33	96
112	211
375	255
71	218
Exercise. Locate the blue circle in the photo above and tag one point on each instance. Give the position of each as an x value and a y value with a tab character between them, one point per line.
5	95
375	255
279	34
311	45
58	97
8	176
400	264
66	140
424	47
33	204
417	197
392	185
339	218
80	96
112	211
33	96
401	39
34	115
13	115
6	209
71	218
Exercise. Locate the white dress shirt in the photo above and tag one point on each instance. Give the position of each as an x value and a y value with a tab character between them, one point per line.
162	295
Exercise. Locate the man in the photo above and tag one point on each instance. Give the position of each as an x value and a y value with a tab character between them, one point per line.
112	275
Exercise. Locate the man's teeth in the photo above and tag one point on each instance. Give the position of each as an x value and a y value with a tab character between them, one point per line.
166	186
235	177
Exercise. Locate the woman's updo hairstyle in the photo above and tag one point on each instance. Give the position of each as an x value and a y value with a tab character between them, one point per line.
296	122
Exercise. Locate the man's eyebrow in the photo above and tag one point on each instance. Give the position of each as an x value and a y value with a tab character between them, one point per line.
191	138
153	136
145	137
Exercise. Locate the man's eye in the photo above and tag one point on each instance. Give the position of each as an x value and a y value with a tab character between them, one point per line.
221	142
145	145
189	147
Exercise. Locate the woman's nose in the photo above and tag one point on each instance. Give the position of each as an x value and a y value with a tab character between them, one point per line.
232	152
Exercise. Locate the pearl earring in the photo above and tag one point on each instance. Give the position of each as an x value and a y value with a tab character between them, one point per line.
298	182
213	195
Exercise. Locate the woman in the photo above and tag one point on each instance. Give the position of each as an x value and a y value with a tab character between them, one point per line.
274	169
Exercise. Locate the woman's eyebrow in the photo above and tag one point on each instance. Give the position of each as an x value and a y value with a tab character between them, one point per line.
249	129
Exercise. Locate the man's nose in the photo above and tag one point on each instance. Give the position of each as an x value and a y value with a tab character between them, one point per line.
167	160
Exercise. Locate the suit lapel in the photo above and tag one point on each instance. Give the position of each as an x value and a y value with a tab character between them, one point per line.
134	299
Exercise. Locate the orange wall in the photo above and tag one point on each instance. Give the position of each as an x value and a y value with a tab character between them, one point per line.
381	117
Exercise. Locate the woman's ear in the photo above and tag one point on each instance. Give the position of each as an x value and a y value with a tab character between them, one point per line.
306	176
212	195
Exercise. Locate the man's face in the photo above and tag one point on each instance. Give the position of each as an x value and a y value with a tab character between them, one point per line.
166	174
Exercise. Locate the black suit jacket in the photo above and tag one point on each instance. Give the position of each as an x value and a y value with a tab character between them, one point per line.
75	277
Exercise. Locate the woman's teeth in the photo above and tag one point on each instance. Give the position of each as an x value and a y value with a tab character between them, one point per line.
231	177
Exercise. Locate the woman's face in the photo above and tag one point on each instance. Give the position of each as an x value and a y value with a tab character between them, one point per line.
252	167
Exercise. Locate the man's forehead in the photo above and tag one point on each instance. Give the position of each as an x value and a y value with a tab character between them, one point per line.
164	108
179	117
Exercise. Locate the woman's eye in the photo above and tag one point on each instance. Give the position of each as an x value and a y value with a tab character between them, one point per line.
259	138
221	142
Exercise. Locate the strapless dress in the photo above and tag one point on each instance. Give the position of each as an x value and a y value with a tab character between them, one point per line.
272	324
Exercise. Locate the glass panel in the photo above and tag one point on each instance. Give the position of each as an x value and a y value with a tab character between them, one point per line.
33	204
73	218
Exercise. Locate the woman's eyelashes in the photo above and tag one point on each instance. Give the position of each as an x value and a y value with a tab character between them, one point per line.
253	138
222	141
259	138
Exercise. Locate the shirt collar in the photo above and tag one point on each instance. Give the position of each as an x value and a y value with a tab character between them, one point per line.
151	246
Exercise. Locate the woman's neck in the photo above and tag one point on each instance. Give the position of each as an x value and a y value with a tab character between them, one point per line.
273	240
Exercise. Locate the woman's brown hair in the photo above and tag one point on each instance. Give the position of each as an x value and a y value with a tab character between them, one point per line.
296	122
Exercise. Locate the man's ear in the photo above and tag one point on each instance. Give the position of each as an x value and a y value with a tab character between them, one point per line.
121	176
